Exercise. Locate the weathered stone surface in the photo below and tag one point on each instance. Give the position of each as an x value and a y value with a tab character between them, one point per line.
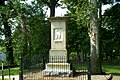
58	53
59	56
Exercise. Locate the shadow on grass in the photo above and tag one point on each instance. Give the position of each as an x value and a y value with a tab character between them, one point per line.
76	74
115	74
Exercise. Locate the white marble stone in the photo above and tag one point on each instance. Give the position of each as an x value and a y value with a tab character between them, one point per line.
58	56
57	69
58	53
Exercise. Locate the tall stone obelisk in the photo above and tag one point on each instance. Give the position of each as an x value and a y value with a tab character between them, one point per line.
58	52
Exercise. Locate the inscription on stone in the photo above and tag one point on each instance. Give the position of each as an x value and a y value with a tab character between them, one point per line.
58	34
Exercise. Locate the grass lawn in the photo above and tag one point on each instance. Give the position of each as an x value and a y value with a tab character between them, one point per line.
114	69
13	71
4	79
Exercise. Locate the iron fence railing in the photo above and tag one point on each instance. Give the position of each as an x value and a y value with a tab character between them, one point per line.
33	68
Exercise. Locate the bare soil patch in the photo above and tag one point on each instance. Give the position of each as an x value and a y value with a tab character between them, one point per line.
39	76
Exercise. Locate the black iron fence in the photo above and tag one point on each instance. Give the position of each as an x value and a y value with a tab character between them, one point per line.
37	67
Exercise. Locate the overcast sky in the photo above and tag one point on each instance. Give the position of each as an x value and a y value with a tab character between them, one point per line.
104	7
60	12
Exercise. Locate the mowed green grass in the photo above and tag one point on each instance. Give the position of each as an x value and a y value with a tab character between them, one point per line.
4	79
13	71
115	69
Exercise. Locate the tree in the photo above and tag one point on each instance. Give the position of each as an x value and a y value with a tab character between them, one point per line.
2	2
35	31
111	27
52	4
8	38
15	18
7	31
94	39
76	43
109	1
86	13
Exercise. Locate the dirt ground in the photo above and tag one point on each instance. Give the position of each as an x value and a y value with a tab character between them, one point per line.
39	76
104	77
93	77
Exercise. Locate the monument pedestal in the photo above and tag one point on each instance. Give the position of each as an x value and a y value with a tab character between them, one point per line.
58	53
58	56
57	65
57	69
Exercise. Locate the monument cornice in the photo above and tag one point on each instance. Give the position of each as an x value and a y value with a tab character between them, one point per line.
56	19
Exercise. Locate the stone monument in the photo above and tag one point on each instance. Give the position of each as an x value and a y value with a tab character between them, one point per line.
58	53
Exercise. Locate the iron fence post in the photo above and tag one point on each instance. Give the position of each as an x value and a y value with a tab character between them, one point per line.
20	71
9	68
2	71
43	62
89	68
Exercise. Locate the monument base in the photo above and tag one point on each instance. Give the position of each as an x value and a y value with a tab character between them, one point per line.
57	69
57	56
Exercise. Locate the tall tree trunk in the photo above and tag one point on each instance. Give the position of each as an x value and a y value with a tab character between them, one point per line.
82	56
24	35
52	10
8	38
94	40
52	6
99	39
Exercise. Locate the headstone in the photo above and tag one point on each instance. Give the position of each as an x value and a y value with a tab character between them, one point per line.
58	52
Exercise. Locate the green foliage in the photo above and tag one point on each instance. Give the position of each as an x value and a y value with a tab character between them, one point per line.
2	49
38	32
83	11
110	32
71	5
109	1
2	2
37	28
78	39
79	66
114	61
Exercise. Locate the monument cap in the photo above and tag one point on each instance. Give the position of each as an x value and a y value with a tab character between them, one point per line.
55	19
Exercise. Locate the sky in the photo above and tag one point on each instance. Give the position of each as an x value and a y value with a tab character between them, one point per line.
104	7
60	12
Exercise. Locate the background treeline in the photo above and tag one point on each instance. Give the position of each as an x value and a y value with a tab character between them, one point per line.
25	30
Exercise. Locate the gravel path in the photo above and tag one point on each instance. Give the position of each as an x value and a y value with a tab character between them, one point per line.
16	77
93	77
116	77
104	77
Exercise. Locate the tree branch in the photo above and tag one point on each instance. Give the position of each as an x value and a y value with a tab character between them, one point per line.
57	1
46	2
